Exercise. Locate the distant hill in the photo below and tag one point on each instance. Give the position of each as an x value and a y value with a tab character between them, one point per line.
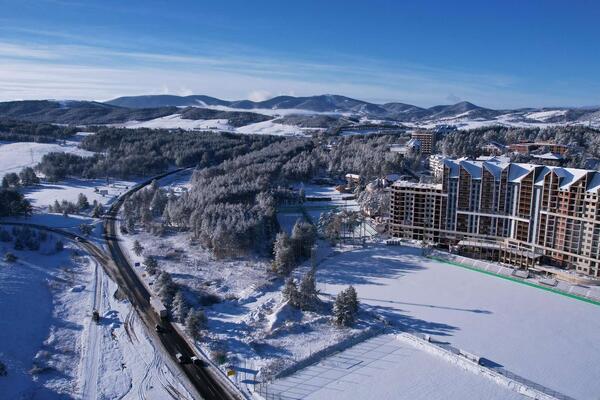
321	111
77	112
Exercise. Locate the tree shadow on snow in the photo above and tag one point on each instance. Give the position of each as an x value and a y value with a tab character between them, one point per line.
404	322
364	266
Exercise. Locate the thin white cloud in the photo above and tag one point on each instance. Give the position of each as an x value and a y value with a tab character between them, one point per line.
30	71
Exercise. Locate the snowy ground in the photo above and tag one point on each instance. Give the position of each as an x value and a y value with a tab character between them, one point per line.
43	195
386	368
16	156
242	300
46	300
545	337
259	128
176	122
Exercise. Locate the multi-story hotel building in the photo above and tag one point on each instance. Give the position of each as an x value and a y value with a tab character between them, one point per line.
520	214
427	139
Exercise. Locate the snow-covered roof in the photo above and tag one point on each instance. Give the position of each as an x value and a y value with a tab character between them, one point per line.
473	168
496	168
517	172
569	176
548	156
594	183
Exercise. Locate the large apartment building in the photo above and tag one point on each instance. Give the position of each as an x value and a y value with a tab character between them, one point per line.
520	214
427	140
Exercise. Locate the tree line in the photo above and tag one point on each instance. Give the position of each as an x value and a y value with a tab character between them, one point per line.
126	153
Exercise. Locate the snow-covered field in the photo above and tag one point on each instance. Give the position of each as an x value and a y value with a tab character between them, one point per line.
544	337
44	194
52	348
259	128
386	368
16	156
273	128
176	122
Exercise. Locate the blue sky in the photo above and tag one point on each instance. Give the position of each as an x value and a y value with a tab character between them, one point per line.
496	54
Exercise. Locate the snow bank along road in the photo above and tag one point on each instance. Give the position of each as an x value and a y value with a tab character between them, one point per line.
202	378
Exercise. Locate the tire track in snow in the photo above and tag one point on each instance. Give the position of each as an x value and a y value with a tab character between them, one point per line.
91	353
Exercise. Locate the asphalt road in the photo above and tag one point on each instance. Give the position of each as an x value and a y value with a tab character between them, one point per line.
201	377
121	272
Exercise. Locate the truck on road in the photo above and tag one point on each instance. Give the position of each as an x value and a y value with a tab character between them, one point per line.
159	308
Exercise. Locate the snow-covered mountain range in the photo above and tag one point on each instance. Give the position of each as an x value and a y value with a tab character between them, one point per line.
283	114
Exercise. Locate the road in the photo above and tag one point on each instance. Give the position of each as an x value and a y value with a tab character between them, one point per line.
201	377
116	265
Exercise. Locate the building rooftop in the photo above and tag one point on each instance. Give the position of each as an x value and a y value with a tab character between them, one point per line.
420	185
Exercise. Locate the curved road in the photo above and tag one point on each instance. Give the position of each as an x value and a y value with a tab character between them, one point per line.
202	378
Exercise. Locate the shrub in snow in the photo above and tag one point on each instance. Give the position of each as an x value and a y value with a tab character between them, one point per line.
151	265
10	257
86	229
98	211
290	293
219	356
10	180
137	248
165	288
59	246
3	370
5	236
13	203
28	177
308	291
18	244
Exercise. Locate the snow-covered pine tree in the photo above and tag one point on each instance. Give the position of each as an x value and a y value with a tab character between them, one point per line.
308	291
290	293
343	309
180	307
137	248
195	321
151	265
82	202
352	298
284	259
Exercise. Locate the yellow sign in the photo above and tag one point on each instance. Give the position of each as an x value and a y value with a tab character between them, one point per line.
230	372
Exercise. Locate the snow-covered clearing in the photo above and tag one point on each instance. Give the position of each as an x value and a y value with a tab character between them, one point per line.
16	156
386	368
274	128
50	345
544	115
544	337
259	128
43	303
44	194
176	122
247	320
